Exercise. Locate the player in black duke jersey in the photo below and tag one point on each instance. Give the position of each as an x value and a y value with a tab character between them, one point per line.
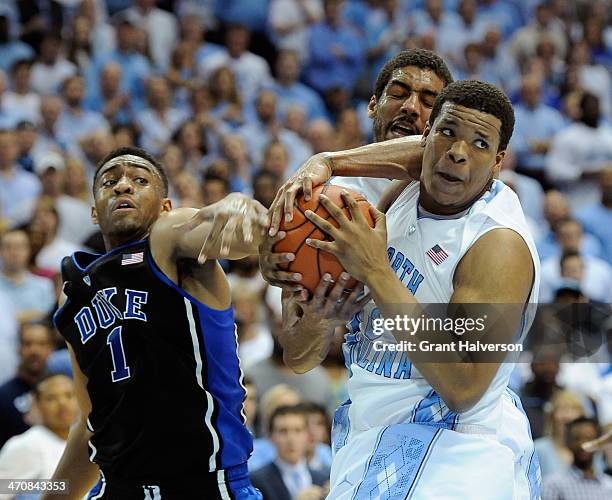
153	346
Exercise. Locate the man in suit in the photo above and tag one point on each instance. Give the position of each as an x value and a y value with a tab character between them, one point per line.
288	477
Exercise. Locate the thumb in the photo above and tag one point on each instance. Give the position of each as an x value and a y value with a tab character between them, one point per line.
378	216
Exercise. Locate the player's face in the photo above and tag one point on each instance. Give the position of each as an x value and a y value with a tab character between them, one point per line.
460	158
128	200
57	403
405	104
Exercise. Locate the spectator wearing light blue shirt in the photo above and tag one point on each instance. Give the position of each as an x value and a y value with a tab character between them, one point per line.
76	122
335	52
17	186
32	297
11	51
596	219
250	13
290	91
536	125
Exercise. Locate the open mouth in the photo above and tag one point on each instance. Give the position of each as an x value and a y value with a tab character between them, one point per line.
449	177
123	205
402	129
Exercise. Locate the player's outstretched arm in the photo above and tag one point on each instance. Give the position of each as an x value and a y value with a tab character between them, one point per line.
75	466
308	325
232	228
394	159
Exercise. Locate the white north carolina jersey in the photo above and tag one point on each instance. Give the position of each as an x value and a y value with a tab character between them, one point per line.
384	387
371	188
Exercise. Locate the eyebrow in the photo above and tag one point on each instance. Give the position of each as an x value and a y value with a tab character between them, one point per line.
408	87
119	165
450	121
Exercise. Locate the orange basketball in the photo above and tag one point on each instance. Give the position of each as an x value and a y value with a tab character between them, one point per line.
313	263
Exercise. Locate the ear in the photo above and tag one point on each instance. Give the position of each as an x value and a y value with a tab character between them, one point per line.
372	106
426	132
166	205
94	216
499	159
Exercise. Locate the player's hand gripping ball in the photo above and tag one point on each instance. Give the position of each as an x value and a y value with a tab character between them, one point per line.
313	263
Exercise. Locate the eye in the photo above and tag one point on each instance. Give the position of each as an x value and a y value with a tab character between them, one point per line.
480	144
109	182
141	180
447	132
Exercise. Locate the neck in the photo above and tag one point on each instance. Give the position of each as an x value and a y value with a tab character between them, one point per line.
432	206
27	376
15	275
586	468
61	433
114	241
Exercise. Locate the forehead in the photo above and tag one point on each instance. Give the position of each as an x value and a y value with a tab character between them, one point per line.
470	118
417	78
126	162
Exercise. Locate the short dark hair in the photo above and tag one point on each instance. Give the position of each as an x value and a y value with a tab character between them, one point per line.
28	324
26	63
421	58
212	175
580	420
480	96
283	410
133	150
46	376
568	255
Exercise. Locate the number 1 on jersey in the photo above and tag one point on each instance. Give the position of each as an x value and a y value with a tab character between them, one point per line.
120	370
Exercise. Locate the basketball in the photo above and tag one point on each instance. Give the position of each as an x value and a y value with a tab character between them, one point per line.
313	263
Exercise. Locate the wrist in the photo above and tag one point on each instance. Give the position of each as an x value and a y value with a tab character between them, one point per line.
328	161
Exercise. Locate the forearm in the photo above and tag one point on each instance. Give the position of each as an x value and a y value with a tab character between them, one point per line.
394	159
75	466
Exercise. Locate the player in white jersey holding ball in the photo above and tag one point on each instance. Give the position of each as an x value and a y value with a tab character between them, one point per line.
416	426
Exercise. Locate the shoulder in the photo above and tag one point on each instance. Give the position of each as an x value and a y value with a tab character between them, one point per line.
163	235
264	472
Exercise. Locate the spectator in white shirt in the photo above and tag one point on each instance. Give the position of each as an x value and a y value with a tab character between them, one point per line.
21	101
35	453
51	68
289	21
579	152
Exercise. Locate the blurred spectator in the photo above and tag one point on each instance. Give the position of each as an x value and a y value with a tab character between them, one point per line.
134	67
290	91
80	48
537	392
553	454
125	135
111	101
289	475
254	339
556	210
49	247
250	13
76	181
318	451
50	110
8	338
193	33
214	187
544	24
580	480
597	279
250	404
33	351
289	21
94	147
596	219
348	131
266	128
435	18
161	28
181	74
594	78
32	297
186	189
601	52
497	60
313	386
11	50
160	119
75	224
17	186
502	14
468	27
336	52
35	453
472	67
295	120
320	135
225	98
235	152
536	125
265	187
579	152
21	101
251	71
276	159
76	122
26	136
191	139
51	67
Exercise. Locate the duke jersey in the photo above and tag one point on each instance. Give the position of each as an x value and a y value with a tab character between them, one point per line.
163	372
384	387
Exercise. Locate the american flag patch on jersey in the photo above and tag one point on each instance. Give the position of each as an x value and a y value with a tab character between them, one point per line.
437	254
131	258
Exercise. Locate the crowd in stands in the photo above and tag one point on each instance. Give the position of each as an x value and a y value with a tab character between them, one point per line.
233	95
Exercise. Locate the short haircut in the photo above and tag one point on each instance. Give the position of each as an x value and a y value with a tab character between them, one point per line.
420	58
577	421
46	376
28	324
213	175
21	63
262	174
281	411
480	96
133	150
568	255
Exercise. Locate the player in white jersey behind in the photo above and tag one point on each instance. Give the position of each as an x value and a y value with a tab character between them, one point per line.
416	428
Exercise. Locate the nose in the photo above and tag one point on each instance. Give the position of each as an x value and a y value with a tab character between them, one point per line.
458	152
410	105
124	185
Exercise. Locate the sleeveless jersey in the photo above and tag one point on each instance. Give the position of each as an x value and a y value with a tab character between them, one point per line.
384	387
163	372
